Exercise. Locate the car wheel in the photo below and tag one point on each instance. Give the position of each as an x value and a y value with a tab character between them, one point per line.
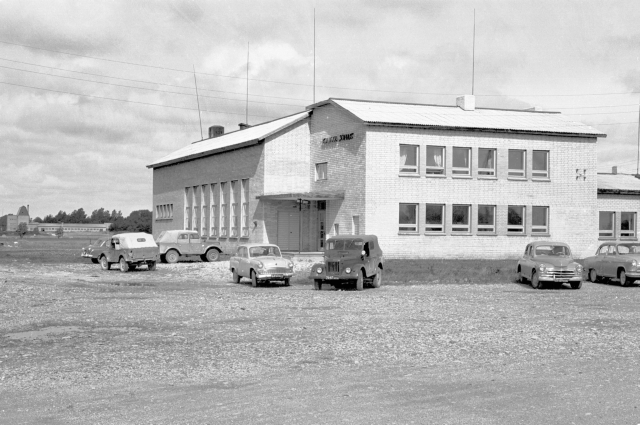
95	261
104	264
151	265
535	281
287	282
317	284
172	256
212	255
576	285
124	266
593	276
624	281
360	281
377	279
254	279
236	277
521	278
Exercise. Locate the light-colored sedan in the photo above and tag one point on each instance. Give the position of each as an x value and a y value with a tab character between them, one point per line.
549	262
615	260
260	263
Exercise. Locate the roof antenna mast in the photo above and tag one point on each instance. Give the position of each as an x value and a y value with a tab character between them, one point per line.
314	55
473	65
246	119
198	100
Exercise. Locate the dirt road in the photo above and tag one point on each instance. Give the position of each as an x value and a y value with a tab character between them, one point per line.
185	345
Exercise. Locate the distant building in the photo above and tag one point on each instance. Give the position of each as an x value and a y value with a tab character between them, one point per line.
618	206
10	222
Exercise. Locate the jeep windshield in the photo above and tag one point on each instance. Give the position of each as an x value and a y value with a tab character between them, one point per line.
345	245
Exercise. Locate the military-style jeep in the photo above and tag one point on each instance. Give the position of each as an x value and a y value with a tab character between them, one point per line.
176	243
348	260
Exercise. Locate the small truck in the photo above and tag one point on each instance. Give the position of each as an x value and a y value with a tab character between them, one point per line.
176	243
130	250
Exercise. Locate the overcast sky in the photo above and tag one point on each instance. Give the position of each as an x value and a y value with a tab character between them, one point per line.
93	91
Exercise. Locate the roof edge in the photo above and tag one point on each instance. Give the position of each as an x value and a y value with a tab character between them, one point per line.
198	155
618	191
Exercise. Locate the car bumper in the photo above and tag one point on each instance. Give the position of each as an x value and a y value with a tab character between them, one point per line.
275	276
633	275
85	255
566	279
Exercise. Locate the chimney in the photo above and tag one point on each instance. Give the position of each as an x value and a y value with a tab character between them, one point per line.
216	131
614	169
466	102
243	126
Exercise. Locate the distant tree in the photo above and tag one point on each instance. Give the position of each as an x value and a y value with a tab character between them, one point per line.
37	220
78	216
59	232
49	219
140	221
22	229
61	217
115	216
100	216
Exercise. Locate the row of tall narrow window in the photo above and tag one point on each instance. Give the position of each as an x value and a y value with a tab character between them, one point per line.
608	227
461	219
218	209
461	162
164	212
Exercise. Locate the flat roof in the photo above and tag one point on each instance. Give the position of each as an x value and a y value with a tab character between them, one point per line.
622	184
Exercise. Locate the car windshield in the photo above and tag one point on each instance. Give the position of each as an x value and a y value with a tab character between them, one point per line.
345	244
553	250
264	251
629	248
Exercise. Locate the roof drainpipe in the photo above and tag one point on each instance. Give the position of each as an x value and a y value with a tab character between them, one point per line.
466	102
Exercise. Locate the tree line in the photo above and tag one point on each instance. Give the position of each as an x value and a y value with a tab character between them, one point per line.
137	221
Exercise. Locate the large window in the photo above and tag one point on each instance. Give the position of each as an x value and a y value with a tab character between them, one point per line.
204	190
187	208
245	208
461	165
540	168
408	219
517	163
355	225
486	162
628	225
515	219
235	194
486	218
224	202
607	224
460	218
540	220
434	222
435	160
196	210
215	198
409	155
321	171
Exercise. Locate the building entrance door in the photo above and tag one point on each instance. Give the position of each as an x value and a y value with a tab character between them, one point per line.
322	232
289	230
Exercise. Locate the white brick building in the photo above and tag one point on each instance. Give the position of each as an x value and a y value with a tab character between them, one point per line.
618	206
430	181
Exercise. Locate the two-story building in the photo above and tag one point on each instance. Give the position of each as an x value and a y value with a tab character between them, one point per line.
430	181
618	206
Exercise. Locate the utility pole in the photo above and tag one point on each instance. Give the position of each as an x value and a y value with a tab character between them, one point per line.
246	119
198	100
473	65
314	55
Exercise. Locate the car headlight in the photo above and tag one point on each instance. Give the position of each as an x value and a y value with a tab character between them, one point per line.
541	268
634	264
348	270
259	264
319	270
290	265
578	268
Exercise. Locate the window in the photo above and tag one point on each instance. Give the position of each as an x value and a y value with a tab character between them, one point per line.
245	208
224	199
409	159
461	165
204	222
540	220
460	218
215	197
628	225
515	219
234	208
540	169
607	221
355	225
435	160
321	171
187	209
487	162
517	163
336	229
195	218
487	218
164	212
408	218
434	222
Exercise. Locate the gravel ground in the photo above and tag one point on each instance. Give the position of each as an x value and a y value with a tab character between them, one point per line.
184	344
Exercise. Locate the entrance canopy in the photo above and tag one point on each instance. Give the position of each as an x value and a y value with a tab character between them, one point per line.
307	196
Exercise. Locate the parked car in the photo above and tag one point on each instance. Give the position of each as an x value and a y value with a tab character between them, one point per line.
350	260
549	262
130	250
260	263
94	250
176	243
615	260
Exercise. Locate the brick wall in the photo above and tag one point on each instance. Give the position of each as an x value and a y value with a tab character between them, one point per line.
617	204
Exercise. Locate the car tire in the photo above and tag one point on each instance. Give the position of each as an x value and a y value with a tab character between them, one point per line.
624	280
211	255
593	276
377	279
172	256
236	276
124	266
254	279
521	278
287	282
576	285
151	265
535	281
317	284
104	263
95	261
360	281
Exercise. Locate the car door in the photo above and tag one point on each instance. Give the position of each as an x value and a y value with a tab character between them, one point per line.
115	252
195	244
608	260
526	263
599	260
183	243
243	261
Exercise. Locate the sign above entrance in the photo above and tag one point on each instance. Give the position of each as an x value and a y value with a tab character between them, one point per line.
334	139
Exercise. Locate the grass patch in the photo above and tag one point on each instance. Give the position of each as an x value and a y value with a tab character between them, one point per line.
449	271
